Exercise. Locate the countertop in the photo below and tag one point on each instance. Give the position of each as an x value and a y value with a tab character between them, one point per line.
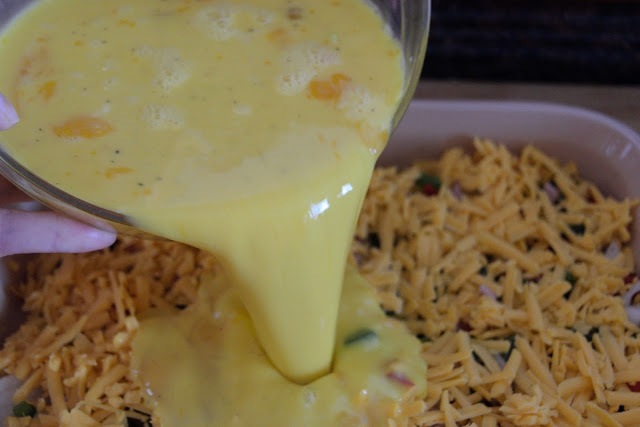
619	102
564	41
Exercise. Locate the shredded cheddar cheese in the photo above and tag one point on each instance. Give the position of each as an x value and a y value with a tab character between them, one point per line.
508	286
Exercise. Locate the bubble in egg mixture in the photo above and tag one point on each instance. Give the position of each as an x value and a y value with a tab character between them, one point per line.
162	117
301	63
125	11
143	51
109	83
241	109
171	70
294	82
105	109
359	104
223	21
95	44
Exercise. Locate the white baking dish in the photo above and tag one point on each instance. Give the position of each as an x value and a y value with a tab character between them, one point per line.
606	152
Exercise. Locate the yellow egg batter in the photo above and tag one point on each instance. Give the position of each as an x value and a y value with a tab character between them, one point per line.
376	365
247	128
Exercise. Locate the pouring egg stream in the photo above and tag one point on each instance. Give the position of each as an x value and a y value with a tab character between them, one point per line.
249	129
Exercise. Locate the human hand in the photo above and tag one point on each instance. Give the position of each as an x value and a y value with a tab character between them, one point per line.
30	232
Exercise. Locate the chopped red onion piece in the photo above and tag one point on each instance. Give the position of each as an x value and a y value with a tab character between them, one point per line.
552	191
429	190
500	361
8	114
400	379
359	258
612	250
633	314
463	325
456	190
484	290
634	387
628	297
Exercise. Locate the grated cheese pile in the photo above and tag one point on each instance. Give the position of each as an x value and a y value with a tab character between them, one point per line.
510	269
75	344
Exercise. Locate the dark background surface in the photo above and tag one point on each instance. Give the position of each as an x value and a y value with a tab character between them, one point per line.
561	41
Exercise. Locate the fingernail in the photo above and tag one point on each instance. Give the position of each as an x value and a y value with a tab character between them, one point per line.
100	239
8	114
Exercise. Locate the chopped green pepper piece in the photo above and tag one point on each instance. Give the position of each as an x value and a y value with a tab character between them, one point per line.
24	409
359	336
425	179
578	229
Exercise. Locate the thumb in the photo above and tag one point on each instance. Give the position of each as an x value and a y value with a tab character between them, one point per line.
31	232
8	115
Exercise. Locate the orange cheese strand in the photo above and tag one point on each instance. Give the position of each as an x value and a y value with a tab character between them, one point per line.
328	90
47	90
84	126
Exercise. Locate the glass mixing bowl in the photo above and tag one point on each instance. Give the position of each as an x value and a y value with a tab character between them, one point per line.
407	19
